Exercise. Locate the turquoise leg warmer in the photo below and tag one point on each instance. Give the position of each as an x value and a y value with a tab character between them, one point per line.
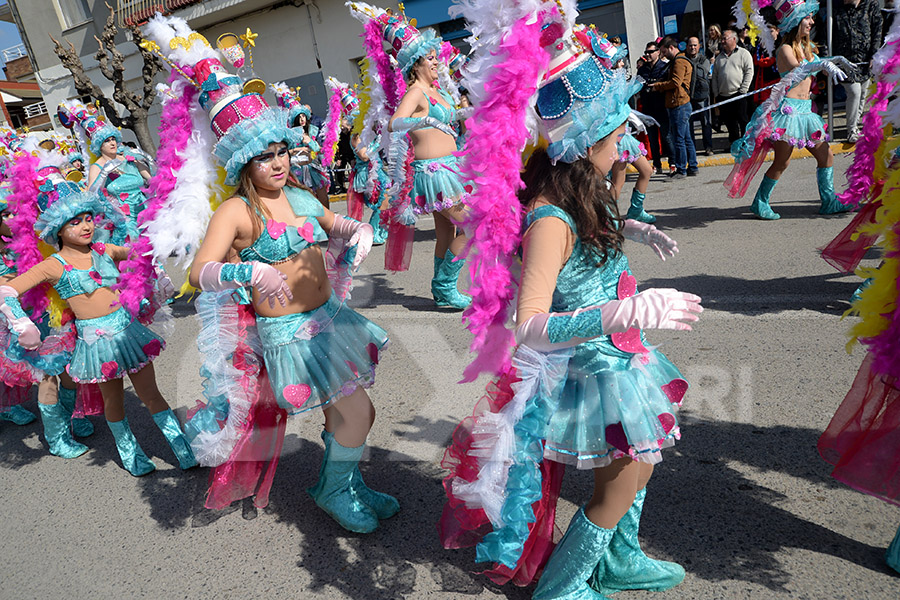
80	426
168	424
381	233
830	204
636	210
334	492
18	415
626	567
133	458
56	430
385	506
893	553
760	206
443	286
573	560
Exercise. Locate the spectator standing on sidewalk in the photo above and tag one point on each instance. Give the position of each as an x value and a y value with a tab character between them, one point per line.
766	72
732	76
653	103
678	104
857	36
700	93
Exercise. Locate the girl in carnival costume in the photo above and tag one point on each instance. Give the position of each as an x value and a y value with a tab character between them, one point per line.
119	170
427	115
305	164
582	388
111	341
785	120
630	150
862	440
316	351
368	181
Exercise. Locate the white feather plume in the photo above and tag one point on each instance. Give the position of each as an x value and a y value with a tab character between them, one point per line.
163	30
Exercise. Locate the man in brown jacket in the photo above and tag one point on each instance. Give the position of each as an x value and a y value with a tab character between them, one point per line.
678	103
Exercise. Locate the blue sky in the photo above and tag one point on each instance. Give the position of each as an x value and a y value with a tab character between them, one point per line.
9	35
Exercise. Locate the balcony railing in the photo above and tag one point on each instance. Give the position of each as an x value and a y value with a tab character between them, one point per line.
36	109
138	12
14	53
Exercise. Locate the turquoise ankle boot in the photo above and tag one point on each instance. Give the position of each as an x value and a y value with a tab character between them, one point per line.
334	492
168	424
381	232
133	458
573	560
80	426
626	567
18	415
760	206
830	204
636	210
893	553
384	505
444	285
56	430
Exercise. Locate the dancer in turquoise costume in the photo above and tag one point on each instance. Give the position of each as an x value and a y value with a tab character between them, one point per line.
427	117
786	121
584	387
301	346
119	170
110	341
371	182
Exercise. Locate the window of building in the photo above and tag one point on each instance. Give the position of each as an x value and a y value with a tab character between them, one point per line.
73	12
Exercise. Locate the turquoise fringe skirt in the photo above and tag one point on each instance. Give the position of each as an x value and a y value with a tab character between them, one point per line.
108	347
360	176
437	184
314	358
794	122
630	149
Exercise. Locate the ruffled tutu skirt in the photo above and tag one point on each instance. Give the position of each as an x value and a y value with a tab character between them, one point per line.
794	122
360	176
316	357
630	149
437	184
108	347
863	439
313	175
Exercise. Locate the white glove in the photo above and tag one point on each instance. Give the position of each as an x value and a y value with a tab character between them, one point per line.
361	235
29	335
649	235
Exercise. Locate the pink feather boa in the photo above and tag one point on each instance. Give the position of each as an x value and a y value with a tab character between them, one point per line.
24	207
497	134
860	175
138	272
332	127
391	81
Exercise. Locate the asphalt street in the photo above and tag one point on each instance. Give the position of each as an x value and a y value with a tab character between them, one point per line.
743	501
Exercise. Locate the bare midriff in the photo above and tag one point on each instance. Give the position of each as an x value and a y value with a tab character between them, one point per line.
432	143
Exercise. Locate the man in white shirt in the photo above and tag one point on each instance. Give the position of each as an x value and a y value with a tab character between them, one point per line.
732	77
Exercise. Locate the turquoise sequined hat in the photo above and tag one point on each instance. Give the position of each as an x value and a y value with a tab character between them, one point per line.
582	99
790	12
407	43
88	119
72	201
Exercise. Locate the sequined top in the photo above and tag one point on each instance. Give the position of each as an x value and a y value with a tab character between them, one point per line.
7	263
125	184
74	282
280	242
439	111
580	284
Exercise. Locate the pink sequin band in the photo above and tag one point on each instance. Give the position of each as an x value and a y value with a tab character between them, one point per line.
243	107
787	8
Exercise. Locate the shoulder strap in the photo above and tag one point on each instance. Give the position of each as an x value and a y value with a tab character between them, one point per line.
247	202
549	210
59	258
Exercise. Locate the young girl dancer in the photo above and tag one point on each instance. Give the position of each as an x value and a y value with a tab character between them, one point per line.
317	352
785	121
584	389
111	342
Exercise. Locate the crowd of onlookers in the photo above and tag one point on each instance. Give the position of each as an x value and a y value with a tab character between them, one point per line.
728	71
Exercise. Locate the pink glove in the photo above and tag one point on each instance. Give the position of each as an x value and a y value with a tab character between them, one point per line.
357	234
271	284
29	335
268	281
650	309
649	235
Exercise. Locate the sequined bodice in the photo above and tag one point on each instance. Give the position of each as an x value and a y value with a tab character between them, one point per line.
126	179
280	242
439	111
7	263
74	282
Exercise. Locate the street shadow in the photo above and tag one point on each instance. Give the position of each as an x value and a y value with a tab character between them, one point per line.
828	294
14	452
374	290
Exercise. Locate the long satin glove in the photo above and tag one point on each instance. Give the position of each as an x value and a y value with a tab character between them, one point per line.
18	321
268	281
651	309
407	124
361	235
649	235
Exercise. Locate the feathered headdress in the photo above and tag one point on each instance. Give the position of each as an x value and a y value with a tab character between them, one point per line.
87	121
343	103
70	202
288	99
747	14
